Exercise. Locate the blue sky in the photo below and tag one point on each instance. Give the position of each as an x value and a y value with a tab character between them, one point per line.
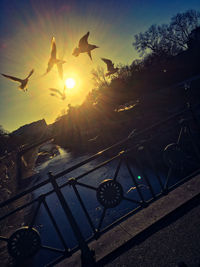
26	29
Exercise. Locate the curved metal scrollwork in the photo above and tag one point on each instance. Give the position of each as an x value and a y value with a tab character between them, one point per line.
109	193
173	156
24	243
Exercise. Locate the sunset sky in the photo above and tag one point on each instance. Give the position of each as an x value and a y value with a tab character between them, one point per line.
26	29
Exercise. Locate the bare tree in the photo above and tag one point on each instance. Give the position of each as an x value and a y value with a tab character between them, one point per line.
3	131
168	39
98	77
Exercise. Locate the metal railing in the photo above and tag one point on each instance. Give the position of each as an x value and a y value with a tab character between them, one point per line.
156	160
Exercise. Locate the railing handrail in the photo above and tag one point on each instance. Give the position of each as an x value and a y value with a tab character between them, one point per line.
95	156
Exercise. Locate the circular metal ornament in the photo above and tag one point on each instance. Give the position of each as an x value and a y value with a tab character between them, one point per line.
24	243
173	156
109	193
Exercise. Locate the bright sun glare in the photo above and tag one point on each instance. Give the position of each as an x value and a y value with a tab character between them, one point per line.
70	83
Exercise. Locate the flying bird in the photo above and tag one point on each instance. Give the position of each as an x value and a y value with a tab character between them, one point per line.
54	60
23	85
110	67
84	47
58	93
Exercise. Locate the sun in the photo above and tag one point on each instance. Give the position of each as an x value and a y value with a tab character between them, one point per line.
70	83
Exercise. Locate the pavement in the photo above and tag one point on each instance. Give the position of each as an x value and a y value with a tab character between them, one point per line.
164	234
175	240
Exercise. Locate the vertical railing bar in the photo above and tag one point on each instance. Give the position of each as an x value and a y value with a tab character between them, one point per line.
171	168
101	219
87	255
35	213
180	135
145	178
168	177
84	208
117	170
55	224
134	181
147	151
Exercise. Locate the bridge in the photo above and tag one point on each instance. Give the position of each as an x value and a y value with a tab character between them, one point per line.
156	161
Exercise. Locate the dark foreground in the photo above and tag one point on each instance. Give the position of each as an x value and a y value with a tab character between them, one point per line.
178	241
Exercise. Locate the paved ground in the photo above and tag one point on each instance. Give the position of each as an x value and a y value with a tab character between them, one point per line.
178	239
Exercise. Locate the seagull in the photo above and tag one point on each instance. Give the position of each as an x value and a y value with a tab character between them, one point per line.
58	93
23	82
53	60
84	47
110	67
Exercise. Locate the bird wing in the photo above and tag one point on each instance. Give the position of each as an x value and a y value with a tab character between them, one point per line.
31	72
64	89
53	48
75	52
109	63
89	54
84	40
12	78
50	65
60	70
52	59
52	94
56	91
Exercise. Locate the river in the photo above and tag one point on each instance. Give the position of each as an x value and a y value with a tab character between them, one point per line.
63	161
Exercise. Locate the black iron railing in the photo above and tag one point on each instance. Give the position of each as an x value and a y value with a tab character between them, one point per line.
155	160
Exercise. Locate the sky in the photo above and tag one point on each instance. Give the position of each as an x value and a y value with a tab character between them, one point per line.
26	30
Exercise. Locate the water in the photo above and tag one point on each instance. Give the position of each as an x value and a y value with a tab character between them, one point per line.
63	161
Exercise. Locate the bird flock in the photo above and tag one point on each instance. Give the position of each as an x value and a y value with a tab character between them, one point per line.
83	47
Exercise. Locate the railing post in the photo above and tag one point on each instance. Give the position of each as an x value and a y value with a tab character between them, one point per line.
87	255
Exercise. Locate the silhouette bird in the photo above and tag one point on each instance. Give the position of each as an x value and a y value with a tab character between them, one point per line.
58	93
23	82
84	47
110	66
53	60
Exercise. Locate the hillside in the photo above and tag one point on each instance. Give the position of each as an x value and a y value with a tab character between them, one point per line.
132	100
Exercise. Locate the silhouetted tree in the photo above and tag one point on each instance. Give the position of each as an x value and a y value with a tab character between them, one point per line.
168	40
124	72
98	77
3	131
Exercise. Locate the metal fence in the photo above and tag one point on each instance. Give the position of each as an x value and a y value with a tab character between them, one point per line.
156	160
